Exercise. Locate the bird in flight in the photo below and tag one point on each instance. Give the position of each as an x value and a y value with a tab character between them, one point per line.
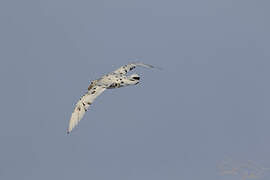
116	79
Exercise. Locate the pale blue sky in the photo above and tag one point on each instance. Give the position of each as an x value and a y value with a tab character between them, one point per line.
211	100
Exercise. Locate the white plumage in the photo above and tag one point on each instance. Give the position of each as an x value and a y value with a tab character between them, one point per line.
116	79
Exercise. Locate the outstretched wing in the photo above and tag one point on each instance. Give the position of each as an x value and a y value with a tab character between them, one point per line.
126	68
83	104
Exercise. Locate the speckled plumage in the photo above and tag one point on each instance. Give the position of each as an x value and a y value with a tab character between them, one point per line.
116	79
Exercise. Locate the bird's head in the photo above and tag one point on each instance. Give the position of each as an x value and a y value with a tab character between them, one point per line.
134	78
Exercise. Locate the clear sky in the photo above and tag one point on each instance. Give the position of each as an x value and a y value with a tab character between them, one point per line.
210	102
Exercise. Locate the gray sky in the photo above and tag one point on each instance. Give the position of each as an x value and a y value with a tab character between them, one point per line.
211	101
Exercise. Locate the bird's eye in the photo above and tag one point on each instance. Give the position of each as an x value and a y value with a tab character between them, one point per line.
137	78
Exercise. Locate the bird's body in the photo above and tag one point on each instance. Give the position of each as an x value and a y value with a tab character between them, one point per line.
116	79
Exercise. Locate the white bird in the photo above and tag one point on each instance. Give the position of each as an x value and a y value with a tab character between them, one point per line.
116	79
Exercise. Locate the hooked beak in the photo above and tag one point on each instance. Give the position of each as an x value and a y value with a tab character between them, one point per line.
137	78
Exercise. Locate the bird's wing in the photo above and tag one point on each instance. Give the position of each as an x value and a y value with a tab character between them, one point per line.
83	104
126	68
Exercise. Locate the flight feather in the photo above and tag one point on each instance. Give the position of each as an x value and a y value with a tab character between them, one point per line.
83	104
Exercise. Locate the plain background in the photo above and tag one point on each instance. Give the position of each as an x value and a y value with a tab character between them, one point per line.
210	102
